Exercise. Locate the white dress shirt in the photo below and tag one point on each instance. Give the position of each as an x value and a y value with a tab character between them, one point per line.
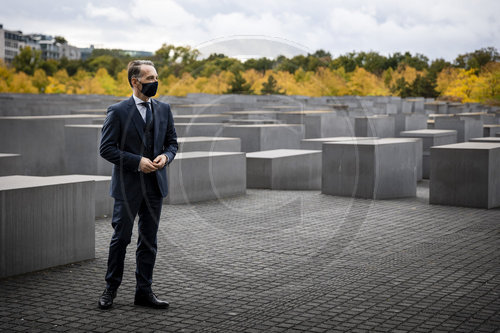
140	107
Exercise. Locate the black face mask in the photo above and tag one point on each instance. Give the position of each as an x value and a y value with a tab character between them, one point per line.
149	89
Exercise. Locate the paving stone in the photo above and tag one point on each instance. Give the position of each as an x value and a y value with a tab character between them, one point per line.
283	261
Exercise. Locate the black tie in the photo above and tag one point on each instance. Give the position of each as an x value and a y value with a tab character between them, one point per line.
149	113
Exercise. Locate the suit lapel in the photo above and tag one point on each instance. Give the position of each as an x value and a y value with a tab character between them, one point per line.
137	120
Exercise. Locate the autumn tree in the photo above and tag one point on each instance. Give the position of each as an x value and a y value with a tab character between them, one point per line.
477	59
271	87
239	86
28	60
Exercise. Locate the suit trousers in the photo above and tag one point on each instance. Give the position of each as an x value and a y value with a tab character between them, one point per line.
148	207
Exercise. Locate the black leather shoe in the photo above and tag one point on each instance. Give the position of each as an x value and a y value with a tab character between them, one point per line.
106	299
150	300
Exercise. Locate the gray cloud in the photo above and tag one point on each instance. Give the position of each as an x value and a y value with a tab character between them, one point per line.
436	28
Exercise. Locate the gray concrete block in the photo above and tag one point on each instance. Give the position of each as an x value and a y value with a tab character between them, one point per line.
10	164
436	107
375	169
417	105
491	130
266	137
409	122
193	109
419	152
465	174
466	127
317	123
103	201
317	143
198	129
50	104
487	118
40	140
491	139
82	151
455	108
257	114
284	169
201	176
45	223
431	138
378	126
207	143
252	121
201	118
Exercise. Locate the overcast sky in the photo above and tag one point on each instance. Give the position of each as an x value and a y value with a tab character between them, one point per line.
253	28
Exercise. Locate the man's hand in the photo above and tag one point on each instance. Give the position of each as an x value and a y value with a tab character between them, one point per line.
146	166
160	161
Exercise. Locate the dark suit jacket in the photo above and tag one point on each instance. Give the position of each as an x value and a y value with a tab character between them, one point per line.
123	141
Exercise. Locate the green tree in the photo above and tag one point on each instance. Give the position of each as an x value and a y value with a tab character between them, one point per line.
28	60
239	86
60	40
50	66
261	64
477	59
271	87
424	86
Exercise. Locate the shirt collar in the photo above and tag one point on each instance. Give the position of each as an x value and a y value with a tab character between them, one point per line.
139	101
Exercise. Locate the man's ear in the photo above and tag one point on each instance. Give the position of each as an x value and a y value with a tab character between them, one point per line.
134	81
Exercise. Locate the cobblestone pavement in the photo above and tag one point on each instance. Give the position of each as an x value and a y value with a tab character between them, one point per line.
294	261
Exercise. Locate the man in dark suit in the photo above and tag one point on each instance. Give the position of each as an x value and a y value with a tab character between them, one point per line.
138	137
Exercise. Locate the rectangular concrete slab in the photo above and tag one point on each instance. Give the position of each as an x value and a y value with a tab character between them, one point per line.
82	150
266	137
201	176
491	139
198	129
284	169
10	164
372	169
491	130
317	143
208	143
45	223
201	118
465	174
466	127
41	140
103	201
378	126
430	138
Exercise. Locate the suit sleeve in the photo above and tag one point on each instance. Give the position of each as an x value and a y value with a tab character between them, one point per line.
109	147
170	144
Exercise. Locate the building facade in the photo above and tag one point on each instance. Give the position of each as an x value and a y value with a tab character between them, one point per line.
11	43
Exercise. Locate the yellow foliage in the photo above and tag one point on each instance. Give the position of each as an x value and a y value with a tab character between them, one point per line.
183	86
105	82
453	83
445	78
122	86
403	71
459	83
40	80
489	83
21	83
364	83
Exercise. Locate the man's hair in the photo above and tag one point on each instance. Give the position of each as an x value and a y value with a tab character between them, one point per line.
134	68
